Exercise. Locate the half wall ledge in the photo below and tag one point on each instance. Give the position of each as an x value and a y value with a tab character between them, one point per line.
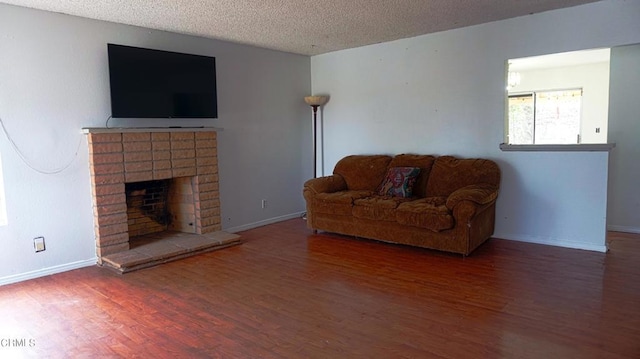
587	147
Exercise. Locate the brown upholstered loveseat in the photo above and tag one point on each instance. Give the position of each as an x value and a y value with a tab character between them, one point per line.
451	206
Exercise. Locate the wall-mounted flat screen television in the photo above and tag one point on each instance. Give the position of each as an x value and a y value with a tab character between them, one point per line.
148	83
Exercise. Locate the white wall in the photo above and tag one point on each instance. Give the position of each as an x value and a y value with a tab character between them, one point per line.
54	81
624	130
444	93
593	79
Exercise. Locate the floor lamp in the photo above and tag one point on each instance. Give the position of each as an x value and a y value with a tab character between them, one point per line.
315	102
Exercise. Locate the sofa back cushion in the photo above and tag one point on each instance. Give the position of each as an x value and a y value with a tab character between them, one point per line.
424	162
449	174
363	172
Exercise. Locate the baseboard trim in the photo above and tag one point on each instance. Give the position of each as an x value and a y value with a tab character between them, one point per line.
265	222
47	271
625	229
552	242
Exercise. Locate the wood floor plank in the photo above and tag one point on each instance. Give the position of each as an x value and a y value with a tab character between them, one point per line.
289	293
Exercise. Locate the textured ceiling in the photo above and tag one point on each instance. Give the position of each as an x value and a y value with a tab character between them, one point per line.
308	27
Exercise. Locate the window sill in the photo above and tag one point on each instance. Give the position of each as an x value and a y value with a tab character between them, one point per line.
587	147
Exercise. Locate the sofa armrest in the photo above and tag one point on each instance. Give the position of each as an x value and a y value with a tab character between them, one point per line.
478	193
327	184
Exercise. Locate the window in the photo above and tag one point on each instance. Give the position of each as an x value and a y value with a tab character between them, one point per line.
545	117
559	100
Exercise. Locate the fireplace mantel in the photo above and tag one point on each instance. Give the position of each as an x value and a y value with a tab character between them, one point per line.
149	129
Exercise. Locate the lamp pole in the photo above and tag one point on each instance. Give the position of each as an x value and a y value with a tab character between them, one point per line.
315	140
315	102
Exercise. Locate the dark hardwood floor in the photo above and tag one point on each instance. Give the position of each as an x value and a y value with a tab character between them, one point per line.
287	293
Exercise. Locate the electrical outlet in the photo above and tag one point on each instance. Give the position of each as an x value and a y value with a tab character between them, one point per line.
38	244
264	203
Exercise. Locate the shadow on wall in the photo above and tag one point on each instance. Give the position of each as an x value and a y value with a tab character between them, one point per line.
518	208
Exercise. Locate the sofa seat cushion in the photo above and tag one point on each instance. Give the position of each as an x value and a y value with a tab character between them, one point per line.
340	203
428	213
379	208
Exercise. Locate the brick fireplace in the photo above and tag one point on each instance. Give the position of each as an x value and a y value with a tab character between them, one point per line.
121	160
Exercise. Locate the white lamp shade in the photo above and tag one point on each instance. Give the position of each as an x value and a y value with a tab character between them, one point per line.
316	100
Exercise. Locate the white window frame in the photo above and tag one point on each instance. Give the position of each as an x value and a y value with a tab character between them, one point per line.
534	97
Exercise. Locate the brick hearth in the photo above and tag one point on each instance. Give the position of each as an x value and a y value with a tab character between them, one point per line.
127	156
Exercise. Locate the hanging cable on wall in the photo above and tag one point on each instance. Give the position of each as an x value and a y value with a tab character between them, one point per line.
33	167
106	124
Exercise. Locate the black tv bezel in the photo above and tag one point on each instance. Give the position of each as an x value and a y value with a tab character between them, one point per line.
117	112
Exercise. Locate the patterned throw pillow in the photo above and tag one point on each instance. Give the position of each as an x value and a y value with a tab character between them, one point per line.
399	182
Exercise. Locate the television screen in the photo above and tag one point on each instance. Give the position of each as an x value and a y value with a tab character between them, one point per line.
149	83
